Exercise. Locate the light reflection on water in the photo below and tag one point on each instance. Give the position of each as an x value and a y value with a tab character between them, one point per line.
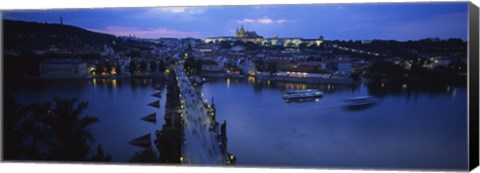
411	127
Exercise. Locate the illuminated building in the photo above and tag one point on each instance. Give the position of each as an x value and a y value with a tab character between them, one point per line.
244	35
251	36
63	69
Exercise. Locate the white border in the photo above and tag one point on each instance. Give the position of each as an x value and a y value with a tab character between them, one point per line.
62	4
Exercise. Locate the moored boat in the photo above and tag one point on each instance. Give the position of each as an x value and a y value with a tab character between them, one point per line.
302	94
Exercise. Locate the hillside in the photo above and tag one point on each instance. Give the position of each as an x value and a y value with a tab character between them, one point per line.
20	35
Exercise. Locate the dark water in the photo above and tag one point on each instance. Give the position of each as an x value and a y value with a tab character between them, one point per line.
410	127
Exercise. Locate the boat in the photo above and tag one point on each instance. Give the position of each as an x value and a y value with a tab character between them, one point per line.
360	102
299	91
302	94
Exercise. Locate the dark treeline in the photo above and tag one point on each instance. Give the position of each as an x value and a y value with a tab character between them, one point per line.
56	131
20	35
192	65
431	46
24	35
453	73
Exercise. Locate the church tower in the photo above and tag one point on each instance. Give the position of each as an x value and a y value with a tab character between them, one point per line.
241	32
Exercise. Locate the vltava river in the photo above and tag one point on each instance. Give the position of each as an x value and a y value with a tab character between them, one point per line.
410	127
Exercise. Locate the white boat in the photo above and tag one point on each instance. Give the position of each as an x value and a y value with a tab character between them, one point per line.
360	101
302	94
299	91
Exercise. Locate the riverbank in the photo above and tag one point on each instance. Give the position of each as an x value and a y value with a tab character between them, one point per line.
346	81
147	76
310	80
226	75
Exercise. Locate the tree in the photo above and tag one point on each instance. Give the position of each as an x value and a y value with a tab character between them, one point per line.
146	155
226	44
259	65
143	66
153	66
303	46
192	66
387	70
198	66
272	68
64	128
48	131
290	44
14	131
99	69
100	156
132	68
118	69
109	67
161	66
135	53
355	76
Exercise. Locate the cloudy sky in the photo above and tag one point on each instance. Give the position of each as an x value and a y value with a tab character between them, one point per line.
399	21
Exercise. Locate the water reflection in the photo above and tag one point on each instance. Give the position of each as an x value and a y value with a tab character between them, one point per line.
325	133
358	108
409	90
359	103
318	133
228	82
251	80
283	86
378	89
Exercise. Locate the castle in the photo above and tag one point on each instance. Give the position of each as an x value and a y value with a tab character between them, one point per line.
251	36
241	33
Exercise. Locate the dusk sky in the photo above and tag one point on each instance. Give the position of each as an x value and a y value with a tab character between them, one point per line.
399	21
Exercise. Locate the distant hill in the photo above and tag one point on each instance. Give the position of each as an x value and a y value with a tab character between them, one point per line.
21	35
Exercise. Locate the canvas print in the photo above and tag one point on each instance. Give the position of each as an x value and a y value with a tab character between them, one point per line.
371	86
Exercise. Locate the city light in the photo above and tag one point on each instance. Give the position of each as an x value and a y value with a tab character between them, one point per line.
113	71
228	82
292	70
